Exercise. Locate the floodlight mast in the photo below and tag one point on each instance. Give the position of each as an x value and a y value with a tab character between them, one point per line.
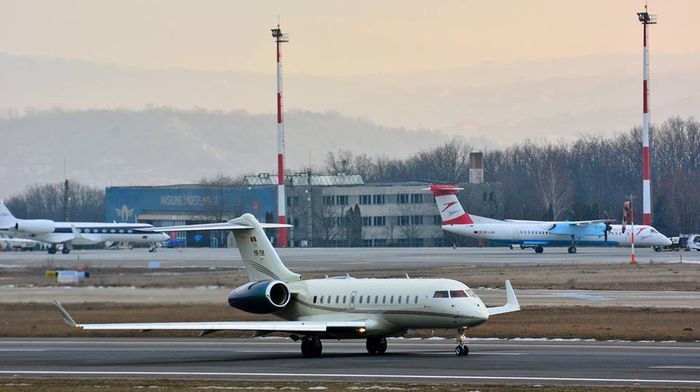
646	19
280	37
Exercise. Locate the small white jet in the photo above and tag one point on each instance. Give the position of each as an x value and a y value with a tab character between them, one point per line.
537	234
330	308
76	233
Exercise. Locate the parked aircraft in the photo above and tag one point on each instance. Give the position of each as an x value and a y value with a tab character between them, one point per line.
538	234
330	308
76	233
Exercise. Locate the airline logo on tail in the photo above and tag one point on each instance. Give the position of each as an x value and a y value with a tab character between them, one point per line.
451	210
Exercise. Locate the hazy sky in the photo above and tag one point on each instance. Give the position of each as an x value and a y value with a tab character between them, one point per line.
337	38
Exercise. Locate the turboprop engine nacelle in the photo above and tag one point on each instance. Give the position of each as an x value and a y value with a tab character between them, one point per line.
264	296
35	226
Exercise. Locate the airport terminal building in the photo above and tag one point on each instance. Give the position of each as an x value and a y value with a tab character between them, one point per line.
326	211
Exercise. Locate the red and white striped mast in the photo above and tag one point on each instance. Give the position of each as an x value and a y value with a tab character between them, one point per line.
646	20
281	199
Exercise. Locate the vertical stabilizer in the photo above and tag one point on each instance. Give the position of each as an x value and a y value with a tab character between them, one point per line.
259	257
7	220
450	208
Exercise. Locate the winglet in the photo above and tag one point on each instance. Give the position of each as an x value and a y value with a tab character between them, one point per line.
512	304
66	316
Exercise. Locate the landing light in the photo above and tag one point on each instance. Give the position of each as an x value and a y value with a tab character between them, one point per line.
361	330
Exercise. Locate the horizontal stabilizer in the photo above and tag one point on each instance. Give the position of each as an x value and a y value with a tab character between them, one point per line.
217	226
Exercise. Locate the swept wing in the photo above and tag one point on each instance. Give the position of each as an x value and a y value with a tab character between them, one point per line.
210	326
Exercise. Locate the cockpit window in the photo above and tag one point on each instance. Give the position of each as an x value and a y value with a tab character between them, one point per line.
458	294
654	231
441	294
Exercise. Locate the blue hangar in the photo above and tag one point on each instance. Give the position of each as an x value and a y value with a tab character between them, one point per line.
190	204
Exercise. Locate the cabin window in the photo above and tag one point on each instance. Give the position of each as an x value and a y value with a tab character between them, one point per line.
337	299
458	294
407	297
360	301
441	294
376	299
384	299
329	300
415	301
315	299
391	300
321	299
344	298
399	299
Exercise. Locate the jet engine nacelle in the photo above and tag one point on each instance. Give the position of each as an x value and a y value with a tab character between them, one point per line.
35	226
264	296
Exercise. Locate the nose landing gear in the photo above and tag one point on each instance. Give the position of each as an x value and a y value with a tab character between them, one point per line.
462	349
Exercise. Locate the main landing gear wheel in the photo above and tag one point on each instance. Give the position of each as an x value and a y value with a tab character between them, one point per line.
462	349
65	250
311	348
376	346
572	249
539	249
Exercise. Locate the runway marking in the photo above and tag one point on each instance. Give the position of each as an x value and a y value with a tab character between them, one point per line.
343	375
675	367
22	349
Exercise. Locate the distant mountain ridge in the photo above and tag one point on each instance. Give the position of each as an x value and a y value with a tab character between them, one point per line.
168	146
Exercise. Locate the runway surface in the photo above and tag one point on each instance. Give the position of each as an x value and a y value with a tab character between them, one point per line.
344	259
416	361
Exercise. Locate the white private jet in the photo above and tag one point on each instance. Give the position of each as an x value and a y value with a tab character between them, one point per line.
330	308
76	233
537	234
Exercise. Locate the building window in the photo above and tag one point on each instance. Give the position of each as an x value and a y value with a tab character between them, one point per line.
437	220
379	221
366	221
293	201
380	242
328	200
365	199
484	196
378	199
416	198
402	198
416	219
403	220
341	200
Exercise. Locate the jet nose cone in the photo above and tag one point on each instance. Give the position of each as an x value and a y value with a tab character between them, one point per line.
666	241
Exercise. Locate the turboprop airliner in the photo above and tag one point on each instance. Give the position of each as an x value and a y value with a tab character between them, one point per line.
330	308
76	233
538	234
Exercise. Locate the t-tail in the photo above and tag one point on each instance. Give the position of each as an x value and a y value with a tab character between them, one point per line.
450	208
7	220
259	257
